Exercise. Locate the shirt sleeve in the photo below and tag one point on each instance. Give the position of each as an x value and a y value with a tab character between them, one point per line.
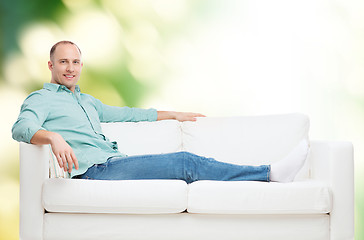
124	114
32	115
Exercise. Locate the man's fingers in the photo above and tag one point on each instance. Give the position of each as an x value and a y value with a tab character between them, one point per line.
193	116
197	115
75	161
59	160
70	162
64	161
193	119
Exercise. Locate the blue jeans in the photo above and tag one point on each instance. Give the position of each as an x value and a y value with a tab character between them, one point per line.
179	165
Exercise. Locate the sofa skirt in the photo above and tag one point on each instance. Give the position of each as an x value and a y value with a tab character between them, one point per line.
60	226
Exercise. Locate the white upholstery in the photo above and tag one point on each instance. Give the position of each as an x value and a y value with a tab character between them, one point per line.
254	140
130	197
186	226
33	171
145	137
318	206
170	196
333	163
306	197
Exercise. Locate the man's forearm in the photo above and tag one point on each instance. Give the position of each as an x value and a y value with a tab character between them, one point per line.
42	137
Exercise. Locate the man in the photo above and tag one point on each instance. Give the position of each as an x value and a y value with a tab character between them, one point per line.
68	120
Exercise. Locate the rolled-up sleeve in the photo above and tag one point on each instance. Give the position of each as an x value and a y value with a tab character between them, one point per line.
32	115
124	114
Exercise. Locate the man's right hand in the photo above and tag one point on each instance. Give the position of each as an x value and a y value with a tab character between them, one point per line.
62	151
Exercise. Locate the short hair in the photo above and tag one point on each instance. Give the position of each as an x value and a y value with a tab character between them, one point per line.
53	49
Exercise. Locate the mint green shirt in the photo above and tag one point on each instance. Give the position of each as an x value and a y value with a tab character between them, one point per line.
76	117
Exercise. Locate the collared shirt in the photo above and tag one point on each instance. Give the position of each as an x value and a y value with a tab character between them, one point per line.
76	117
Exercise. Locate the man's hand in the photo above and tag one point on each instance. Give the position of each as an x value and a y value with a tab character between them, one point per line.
180	116
62	151
187	116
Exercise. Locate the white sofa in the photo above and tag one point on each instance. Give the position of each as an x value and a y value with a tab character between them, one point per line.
319	204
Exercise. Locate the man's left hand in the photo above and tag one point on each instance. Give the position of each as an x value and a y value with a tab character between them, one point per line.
187	116
180	116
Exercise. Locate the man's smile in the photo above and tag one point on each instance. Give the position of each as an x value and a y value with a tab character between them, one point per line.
68	76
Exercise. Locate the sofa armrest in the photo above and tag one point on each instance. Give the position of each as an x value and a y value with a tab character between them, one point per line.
34	169
333	163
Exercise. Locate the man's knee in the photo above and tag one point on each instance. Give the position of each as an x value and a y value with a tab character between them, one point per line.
187	155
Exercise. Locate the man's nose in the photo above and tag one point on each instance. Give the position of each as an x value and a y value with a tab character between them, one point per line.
70	68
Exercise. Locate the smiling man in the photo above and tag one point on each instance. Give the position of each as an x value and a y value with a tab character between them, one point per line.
70	121
66	65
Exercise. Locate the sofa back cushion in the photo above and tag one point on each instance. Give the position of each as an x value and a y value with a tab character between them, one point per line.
134	139
249	140
145	137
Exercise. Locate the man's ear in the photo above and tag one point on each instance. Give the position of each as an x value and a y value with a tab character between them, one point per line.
50	65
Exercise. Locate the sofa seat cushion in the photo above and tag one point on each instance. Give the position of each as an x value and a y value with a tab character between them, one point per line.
127	196
216	197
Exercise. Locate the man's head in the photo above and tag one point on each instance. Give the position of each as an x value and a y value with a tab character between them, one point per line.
65	64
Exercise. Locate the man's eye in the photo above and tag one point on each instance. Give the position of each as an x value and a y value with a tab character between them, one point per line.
63	61
76	62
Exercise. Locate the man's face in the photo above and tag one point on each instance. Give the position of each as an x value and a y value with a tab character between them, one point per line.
66	66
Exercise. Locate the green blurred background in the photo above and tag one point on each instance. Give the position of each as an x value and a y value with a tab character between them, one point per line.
217	57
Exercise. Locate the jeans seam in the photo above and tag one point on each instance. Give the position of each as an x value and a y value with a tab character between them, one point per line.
186	169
